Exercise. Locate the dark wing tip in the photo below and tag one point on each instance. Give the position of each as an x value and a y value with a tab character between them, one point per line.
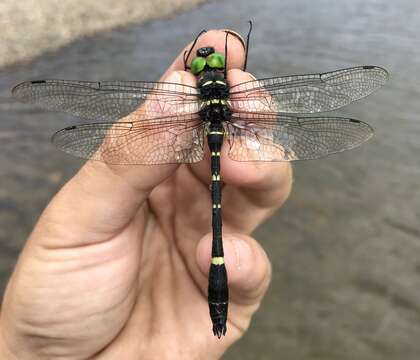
18	91
57	135
368	129
38	82
380	69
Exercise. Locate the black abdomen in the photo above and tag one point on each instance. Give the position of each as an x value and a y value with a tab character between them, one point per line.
218	298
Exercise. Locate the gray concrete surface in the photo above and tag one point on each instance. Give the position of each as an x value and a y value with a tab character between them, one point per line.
31	27
346	247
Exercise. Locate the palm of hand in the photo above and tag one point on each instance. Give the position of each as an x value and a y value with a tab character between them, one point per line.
115	267
141	287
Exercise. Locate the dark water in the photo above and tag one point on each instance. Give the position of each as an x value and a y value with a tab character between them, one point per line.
346	247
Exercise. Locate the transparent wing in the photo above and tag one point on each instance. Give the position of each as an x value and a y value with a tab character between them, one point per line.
278	137
108	100
307	93
164	140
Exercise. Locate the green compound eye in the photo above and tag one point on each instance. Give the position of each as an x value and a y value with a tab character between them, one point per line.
197	65
216	61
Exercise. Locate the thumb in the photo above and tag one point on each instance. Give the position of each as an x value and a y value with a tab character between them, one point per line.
249	274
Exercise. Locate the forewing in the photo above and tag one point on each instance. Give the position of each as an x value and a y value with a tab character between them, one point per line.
307	93
278	137
164	140
108	100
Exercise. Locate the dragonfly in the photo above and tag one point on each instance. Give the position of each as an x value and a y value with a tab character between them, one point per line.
152	123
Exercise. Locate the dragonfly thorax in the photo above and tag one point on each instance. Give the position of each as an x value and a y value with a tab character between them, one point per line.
212	85
214	93
215	113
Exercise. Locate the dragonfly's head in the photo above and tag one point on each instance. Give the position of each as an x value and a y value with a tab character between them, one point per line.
207	57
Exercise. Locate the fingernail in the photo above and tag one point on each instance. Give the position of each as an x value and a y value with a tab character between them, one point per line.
234	33
174	77
252	76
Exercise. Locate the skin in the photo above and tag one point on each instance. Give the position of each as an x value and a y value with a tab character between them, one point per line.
116	267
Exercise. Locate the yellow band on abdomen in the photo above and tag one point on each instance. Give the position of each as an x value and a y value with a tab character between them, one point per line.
218	260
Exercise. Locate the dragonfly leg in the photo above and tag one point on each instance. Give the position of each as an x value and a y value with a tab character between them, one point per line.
186	67
247	44
187	54
226	55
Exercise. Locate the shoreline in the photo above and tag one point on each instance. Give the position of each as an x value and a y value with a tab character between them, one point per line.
31	28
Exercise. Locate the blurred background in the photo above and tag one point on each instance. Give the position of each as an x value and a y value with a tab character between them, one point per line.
346	247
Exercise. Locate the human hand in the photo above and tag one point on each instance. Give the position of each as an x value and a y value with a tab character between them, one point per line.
116	267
